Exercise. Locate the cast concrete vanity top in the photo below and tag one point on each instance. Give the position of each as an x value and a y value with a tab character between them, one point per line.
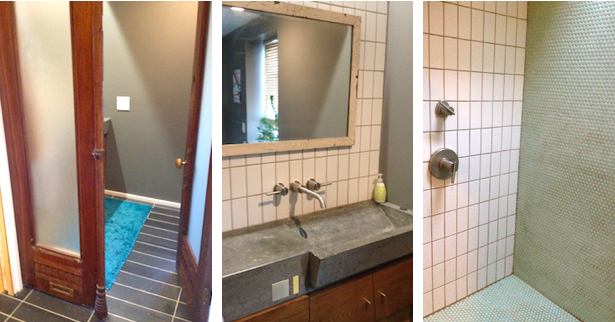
340	242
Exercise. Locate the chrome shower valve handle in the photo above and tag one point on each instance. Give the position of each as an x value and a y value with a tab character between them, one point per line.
443	164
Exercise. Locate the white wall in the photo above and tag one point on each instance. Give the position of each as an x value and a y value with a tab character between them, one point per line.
353	170
473	56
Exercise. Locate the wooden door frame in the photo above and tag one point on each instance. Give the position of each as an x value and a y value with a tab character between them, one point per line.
195	279
68	277
82	280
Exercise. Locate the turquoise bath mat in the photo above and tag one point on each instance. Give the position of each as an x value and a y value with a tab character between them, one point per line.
123	222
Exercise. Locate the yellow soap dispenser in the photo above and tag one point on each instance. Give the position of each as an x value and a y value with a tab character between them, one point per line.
380	192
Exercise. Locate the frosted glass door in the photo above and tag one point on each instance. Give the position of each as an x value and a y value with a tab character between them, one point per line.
44	40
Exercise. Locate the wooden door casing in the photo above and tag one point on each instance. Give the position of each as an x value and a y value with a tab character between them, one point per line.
195	279
68	277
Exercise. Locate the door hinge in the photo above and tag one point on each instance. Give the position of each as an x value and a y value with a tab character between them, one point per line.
98	153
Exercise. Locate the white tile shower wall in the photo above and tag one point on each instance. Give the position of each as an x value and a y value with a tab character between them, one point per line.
473	57
353	170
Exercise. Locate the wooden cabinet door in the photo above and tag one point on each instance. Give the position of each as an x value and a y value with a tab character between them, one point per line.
393	288
351	301
296	310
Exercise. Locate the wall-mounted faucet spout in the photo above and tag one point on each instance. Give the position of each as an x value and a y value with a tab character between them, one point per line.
298	187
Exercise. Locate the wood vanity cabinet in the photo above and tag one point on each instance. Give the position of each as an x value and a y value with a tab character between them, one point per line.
350	301
392	288
367	298
295	310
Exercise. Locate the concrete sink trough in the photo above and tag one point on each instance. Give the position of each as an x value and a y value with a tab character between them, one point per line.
339	243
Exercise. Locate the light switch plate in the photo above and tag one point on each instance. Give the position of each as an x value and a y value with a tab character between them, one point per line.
280	290
123	103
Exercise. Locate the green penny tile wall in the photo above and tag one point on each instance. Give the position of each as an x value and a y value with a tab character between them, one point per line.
565	229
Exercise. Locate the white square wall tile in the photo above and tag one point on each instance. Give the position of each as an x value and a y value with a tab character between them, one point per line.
450	20
436	18
436	84
477	25
438	275
465	23
464	54
226	184
381	32
371	22
227	216
450	53
511	31
450	86
255	211
240	213
489	25
370	55
254	182
500	29
477	57
238	182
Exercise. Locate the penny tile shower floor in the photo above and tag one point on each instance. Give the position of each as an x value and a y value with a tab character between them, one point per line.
509	300
147	288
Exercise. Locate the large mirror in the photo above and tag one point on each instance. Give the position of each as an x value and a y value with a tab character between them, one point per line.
289	77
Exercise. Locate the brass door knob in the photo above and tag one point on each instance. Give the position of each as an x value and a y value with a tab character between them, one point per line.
179	163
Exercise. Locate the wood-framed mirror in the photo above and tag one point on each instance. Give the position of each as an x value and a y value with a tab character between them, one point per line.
290	76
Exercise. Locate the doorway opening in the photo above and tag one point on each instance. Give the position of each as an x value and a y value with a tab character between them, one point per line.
148	55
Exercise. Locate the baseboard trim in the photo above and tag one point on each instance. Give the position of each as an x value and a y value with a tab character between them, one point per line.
143	199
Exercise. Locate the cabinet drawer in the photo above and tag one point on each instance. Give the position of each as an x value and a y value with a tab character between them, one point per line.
393	288
296	310
350	301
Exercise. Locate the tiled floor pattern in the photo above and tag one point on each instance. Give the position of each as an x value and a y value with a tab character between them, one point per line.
146	290
509	300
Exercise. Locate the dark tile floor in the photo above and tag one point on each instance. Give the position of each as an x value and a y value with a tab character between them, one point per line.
147	288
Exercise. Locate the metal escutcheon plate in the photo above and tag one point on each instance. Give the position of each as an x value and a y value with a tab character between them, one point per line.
434	163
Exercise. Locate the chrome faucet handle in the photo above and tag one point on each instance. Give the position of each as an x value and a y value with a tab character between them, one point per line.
295	186
443	109
315	186
279	189
450	166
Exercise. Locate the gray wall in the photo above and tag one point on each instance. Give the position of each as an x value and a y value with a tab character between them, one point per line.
396	140
565	229
148	55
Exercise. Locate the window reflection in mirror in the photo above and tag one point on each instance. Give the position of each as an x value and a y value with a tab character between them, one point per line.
284	78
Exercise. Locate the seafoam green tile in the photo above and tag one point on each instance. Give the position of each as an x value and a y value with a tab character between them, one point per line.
509	300
565	230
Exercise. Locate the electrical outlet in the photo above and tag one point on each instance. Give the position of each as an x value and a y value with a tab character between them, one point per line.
280	290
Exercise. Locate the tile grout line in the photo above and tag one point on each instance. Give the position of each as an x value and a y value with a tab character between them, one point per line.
161	247
139	305
163	214
153	267
162	221
146	234
144	291
145	225
50	311
19	305
140	252
176	305
121	317
91	315
151	279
